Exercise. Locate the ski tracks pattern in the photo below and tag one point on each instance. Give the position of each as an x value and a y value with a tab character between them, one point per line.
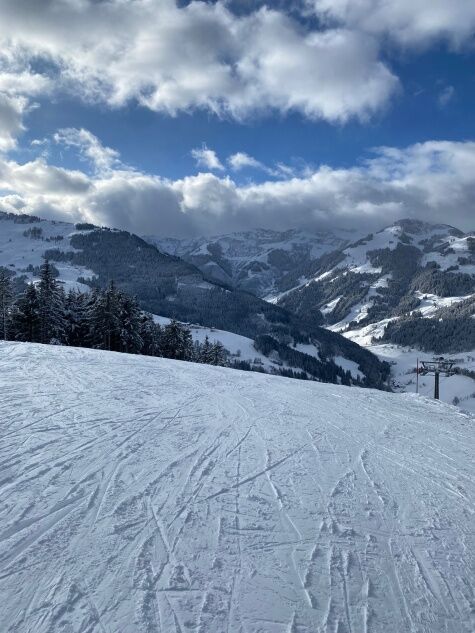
150	496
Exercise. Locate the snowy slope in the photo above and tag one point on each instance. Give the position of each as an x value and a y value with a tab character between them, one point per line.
148	495
242	348
19	252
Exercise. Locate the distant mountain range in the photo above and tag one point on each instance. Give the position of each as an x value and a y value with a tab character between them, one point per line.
413	282
262	261
327	295
405	292
166	285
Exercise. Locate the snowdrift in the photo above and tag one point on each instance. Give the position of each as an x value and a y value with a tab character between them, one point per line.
148	495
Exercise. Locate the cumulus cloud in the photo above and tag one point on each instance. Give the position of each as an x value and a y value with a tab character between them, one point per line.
12	109
38	178
202	55
432	181
407	22
207	158
17	85
90	148
24	83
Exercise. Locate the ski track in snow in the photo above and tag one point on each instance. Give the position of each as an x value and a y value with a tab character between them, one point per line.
143	495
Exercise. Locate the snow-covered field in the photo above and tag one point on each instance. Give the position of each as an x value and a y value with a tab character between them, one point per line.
18	250
453	389
148	495
242	348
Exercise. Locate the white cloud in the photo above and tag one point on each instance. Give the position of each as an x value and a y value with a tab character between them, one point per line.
24	83
38	178
201	55
90	148
12	109
407	22
207	158
17	84
432	181
241	160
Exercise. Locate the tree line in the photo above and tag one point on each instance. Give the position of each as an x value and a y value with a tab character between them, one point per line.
107	319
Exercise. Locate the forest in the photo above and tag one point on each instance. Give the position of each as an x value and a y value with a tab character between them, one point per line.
107	319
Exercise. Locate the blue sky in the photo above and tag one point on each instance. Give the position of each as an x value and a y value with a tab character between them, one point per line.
337	113
436	102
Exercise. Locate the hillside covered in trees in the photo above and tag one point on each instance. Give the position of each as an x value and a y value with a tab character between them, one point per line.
106	319
90	258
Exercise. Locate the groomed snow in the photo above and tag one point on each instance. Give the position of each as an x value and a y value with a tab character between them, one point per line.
149	495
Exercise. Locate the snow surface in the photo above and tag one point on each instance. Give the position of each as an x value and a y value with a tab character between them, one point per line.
148	495
241	347
404	363
18	251
430	303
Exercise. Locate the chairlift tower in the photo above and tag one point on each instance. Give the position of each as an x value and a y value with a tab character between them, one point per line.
435	367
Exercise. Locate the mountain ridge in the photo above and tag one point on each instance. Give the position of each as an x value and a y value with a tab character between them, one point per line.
168	286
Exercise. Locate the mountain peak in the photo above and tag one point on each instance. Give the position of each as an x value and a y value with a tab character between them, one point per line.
416	227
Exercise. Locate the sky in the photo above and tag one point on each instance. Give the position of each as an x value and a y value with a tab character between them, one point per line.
190	118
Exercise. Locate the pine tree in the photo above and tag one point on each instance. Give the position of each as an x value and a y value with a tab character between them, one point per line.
186	349
150	333
104	317
205	353
26	316
196	356
51	302
130	324
218	354
176	341
76	318
6	299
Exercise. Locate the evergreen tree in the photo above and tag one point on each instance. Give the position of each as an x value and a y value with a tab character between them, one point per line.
196	355
51	302
176	341
6	298
130	324
205	352
76	318
150	333
217	354
26	316
104	317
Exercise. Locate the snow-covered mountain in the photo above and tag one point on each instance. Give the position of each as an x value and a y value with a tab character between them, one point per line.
170	287
412	283
143	494
405	292
259	261
407	266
